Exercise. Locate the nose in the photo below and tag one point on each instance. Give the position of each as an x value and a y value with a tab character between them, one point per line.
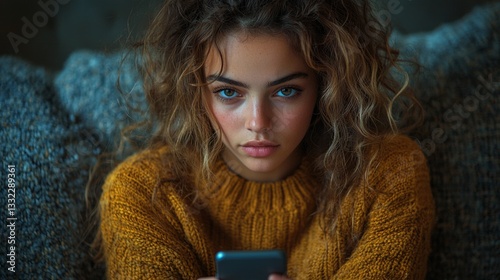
259	116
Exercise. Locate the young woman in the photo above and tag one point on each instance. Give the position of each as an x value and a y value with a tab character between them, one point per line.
278	127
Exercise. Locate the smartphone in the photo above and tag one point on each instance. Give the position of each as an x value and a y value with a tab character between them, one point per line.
249	265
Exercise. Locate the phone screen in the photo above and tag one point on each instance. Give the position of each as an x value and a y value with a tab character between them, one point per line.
249	265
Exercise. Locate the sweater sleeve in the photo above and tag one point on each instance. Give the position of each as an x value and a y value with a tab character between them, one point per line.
139	241
395	242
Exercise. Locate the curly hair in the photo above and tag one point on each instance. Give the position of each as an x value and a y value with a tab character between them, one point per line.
360	98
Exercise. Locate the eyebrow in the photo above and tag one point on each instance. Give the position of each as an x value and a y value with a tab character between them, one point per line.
213	78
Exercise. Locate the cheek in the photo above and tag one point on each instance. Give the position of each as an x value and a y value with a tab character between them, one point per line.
226	120
296	119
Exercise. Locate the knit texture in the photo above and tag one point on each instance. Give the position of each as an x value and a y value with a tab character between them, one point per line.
152	231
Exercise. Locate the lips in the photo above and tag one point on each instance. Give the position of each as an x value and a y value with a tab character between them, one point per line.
259	149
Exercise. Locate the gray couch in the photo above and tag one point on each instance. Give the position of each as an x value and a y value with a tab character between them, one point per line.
54	125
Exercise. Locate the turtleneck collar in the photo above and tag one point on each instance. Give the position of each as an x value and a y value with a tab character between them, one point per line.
297	191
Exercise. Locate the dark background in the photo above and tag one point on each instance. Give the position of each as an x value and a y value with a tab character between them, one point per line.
68	25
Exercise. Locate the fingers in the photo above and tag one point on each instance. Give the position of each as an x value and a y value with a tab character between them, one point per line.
278	277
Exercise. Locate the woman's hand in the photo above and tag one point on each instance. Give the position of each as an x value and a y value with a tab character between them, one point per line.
271	277
278	277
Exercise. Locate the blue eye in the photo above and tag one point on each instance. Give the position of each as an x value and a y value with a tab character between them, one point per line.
227	93
287	92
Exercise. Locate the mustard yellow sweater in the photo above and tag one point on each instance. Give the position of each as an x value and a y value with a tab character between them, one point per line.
151	231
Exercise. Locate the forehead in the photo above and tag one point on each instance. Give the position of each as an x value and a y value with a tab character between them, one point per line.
243	52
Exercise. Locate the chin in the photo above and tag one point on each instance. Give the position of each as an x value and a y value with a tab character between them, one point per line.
262	166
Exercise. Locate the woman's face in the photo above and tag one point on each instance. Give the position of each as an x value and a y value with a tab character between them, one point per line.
262	103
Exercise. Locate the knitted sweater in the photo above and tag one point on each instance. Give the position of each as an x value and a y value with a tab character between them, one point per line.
151	230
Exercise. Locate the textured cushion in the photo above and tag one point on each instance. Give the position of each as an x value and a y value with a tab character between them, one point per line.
54	126
104	91
52	153
459	88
